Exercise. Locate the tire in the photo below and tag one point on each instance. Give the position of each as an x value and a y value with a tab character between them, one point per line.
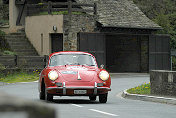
42	93
49	97
103	98
92	98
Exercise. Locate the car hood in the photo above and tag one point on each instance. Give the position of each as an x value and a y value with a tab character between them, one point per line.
78	73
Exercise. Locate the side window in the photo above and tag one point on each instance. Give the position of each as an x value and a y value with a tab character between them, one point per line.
53	61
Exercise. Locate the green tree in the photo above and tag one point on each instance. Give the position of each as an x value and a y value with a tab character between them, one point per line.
163	12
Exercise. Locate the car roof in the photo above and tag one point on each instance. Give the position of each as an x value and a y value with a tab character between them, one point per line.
69	52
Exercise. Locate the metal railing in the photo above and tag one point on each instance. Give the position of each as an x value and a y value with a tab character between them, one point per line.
69	7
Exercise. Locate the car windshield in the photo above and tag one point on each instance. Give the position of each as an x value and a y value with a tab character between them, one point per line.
72	59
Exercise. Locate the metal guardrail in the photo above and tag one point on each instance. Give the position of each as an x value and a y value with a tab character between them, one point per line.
34	9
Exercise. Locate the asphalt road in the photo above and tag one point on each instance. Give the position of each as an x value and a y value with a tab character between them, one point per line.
81	107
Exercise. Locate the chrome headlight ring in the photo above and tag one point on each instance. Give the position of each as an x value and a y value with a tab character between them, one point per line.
53	75
104	75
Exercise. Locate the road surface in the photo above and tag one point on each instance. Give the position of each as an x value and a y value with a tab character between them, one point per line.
81	107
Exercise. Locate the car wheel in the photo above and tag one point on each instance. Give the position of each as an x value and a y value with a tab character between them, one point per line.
92	98
42	93
49	97
103	98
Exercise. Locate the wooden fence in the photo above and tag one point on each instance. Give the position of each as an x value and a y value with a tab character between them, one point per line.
70	7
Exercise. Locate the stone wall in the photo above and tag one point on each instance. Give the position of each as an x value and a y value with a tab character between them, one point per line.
163	82
79	23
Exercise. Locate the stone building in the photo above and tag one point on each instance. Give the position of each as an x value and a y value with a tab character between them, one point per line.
117	33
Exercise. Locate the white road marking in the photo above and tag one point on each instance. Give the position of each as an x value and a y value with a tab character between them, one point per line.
103	112
77	105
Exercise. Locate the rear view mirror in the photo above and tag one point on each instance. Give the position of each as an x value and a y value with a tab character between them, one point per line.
101	66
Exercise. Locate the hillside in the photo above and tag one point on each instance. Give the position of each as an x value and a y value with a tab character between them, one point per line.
162	12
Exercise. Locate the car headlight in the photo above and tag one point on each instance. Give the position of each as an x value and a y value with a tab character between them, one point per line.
52	75
104	75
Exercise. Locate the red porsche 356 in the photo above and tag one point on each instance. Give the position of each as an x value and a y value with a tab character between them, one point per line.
73	73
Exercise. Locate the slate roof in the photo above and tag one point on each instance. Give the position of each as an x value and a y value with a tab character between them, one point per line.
121	13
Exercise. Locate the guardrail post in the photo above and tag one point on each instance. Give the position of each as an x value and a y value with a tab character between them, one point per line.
16	60
69	7
70	11
95	9
27	10
49	7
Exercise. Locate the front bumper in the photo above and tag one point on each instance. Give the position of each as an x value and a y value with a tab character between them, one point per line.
68	90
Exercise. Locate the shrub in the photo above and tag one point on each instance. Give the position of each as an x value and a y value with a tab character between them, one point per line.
7	52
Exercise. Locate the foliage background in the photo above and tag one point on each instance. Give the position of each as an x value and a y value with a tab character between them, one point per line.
163	12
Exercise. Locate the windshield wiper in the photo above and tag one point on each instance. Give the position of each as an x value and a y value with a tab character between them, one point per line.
75	64
88	65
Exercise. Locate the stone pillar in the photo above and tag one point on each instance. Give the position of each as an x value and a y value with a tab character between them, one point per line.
79	23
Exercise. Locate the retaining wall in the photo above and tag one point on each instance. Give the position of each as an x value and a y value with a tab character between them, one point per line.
163	82
24	62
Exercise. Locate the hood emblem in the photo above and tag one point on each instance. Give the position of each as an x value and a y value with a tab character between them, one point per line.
79	78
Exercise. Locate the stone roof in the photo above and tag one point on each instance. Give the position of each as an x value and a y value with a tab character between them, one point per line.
121	13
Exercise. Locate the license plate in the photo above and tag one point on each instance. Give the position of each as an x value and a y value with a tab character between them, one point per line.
80	91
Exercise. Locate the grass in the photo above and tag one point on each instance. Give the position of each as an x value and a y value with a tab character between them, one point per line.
143	89
20	77
6	52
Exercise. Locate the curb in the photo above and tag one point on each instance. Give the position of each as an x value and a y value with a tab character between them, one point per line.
158	99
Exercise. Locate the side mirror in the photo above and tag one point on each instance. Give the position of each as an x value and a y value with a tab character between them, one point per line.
101	66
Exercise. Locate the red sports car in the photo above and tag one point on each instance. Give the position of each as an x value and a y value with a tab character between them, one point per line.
73	73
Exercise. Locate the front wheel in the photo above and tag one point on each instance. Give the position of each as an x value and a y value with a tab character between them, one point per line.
103	98
42	95
42	92
48	97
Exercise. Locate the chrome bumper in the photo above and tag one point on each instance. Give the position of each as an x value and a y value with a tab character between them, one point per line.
95	88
